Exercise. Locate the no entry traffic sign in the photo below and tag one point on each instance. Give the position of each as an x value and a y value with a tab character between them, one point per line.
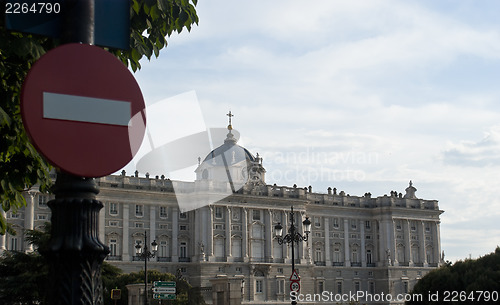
83	110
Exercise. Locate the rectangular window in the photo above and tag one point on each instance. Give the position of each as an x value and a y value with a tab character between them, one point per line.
319	255
139	210
321	286
13	244
113	247
113	223
336	223
113	210
280	286
42	217
218	226
218	212
139	225
258	286
405	287
336	255
183	250
357	286
183	216
236	214
339	287
163	249
371	287
354	224
42	200
368	256
183	227
317	222
255	214
163	212
368	225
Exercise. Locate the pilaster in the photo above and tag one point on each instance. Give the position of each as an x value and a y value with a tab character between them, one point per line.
347	254
175	234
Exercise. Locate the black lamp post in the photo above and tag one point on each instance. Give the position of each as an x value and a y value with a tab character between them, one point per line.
293	236
146	255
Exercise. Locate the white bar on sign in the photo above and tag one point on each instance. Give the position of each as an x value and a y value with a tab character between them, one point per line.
164	290
86	109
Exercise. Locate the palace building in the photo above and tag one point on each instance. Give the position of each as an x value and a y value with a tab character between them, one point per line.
221	228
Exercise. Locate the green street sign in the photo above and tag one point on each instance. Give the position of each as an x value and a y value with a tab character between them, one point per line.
163	296
163	284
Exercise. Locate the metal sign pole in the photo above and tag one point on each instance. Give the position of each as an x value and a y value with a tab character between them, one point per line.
75	252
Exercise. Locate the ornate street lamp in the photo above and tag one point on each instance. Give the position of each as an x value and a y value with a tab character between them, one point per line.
293	236
146	255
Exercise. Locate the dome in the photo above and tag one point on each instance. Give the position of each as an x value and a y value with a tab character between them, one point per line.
229	153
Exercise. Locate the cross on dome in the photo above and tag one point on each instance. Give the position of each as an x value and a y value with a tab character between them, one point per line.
230	115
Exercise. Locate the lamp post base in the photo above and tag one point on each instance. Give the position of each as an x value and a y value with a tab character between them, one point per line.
75	253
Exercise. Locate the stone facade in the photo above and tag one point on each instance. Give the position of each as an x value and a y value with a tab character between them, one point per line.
357	243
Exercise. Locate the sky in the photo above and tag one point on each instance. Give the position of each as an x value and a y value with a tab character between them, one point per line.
363	96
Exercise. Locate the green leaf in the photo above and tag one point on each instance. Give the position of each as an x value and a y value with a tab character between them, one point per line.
4	117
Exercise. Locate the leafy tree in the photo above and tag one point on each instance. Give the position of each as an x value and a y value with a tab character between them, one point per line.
465	278
21	166
185	293
24	276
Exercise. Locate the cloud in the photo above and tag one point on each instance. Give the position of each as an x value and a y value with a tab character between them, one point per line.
482	153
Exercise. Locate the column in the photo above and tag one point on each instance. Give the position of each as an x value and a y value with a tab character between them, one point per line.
244	232
394	243
175	234
102	225
436	238
347	254
408	255
2	237
152	223
363	243
29	217
303	247
387	237
125	235
228	233
268	246
327	241
286	253
210	228
198	235
421	242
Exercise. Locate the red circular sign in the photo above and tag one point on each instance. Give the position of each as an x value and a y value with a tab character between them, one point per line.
295	286
83	110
